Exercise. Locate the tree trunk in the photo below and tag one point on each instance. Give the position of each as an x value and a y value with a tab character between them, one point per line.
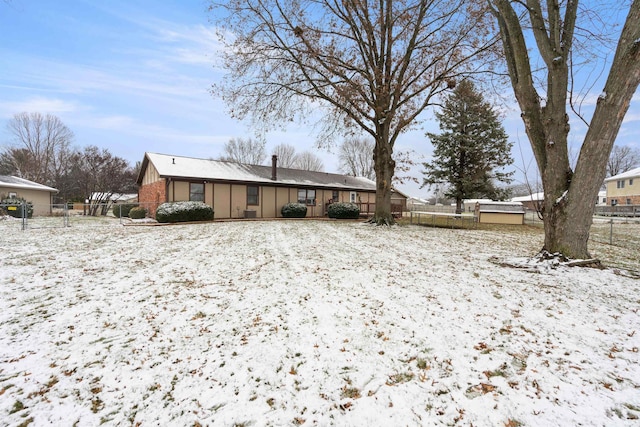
385	168
458	205
569	198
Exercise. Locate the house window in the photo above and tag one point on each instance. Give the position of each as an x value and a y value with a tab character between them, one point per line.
252	194
307	197
335	196
13	195
614	202
620	183
352	196
631	181
629	201
196	192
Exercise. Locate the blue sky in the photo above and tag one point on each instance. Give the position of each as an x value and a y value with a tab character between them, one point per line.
133	76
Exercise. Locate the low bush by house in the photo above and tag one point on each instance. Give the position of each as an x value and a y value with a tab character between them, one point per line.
137	213
184	211
294	210
343	211
122	210
13	207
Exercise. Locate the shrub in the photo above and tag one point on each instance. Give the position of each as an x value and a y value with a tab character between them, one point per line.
137	213
122	209
184	211
343	211
294	210
13	207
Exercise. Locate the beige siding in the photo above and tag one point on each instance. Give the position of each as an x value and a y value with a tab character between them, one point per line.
613	192
230	200
221	201
238	200
267	203
515	218
151	175
179	191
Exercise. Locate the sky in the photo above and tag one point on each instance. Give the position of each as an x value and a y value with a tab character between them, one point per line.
134	76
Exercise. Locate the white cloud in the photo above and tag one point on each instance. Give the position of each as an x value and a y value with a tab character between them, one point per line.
38	104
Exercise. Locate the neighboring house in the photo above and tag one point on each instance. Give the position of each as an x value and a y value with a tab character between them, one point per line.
490	212
115	197
469	205
237	190
40	195
532	202
624	188
417	204
101	202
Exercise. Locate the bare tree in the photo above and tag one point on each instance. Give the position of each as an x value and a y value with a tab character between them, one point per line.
286	155
548	30
247	151
374	66
101	175
622	159
356	157
309	162
39	146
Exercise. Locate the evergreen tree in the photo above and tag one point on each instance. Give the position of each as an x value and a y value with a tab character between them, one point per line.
472	150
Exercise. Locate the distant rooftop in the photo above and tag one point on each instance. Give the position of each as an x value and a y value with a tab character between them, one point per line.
633	173
21	183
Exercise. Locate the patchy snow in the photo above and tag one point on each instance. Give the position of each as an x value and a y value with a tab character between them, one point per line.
562	197
312	323
602	96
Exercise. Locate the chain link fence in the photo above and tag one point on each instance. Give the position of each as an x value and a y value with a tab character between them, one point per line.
27	215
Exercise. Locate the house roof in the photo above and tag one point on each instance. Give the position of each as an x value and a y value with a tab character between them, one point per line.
633	173
535	197
170	166
23	184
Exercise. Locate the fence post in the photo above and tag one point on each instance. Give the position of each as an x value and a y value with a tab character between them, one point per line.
66	214
23	214
611	231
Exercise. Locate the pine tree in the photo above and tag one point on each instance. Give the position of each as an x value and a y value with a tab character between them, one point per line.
472	150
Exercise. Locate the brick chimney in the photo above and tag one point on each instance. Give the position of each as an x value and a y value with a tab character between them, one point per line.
274	166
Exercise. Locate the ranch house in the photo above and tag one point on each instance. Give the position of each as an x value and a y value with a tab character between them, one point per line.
236	190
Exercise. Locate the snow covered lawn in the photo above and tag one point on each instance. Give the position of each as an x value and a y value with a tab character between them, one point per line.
308	323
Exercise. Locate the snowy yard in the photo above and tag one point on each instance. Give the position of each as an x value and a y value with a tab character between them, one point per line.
309	323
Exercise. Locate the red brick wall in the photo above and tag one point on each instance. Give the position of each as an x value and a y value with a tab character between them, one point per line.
152	195
622	200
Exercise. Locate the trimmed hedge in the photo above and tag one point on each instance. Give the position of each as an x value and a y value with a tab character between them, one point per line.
343	211
294	210
184	211
137	213
122	209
